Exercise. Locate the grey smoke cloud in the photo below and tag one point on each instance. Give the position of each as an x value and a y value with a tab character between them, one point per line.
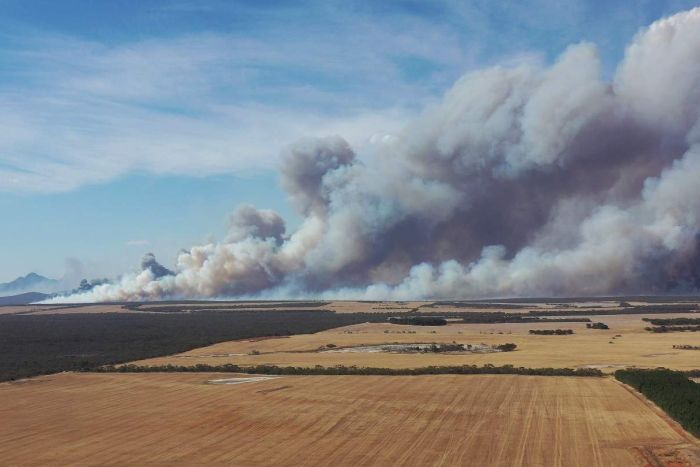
248	221
522	181
149	263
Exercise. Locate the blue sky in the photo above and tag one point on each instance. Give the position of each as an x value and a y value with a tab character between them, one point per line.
135	126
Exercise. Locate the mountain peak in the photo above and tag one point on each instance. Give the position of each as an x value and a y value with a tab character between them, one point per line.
32	282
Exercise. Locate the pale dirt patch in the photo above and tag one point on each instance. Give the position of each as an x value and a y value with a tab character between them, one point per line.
603	366
241	380
409	348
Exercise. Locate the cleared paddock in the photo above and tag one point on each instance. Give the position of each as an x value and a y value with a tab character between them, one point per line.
181	419
586	348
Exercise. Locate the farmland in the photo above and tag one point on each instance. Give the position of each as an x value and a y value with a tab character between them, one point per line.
37	339
179	419
326	417
625	344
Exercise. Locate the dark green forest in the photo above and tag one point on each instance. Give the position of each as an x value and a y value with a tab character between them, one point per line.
38	344
671	390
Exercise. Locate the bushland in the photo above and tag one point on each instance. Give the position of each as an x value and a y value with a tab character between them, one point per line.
551	332
671	390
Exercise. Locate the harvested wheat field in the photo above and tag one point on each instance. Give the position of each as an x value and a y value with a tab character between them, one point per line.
625	344
180	419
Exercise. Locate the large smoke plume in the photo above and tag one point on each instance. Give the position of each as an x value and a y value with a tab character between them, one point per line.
522	181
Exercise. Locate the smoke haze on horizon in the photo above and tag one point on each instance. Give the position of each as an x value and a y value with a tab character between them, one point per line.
529	180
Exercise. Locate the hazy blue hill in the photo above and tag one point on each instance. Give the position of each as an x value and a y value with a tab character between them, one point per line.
32	282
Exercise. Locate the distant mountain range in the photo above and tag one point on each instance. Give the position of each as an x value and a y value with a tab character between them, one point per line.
32	282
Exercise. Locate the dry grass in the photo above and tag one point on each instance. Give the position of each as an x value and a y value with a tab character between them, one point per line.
587	347
177	419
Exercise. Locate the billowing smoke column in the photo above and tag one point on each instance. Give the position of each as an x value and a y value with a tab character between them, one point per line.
522	181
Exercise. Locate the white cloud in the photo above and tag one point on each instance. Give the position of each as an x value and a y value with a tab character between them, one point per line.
85	112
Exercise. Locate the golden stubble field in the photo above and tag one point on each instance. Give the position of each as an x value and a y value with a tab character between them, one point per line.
586	348
180	419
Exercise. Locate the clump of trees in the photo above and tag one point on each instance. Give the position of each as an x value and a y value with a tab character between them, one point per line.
597	325
687	347
672	321
509	347
501	317
439	348
671	390
435	348
551	332
419	320
629	310
673	324
487	369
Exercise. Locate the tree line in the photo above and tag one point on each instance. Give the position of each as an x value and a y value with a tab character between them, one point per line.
673	328
672	321
551	332
500	317
632	310
350	370
671	390
419	320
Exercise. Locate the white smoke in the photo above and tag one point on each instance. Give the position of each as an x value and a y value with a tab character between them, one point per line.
523	181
